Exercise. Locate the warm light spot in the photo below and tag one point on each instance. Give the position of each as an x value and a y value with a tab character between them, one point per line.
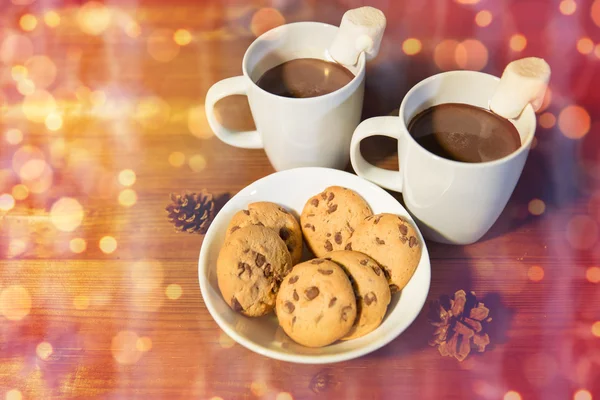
20	192
176	159
52	19
13	136
28	22
42	183
54	121
182	37
83	93
225	341
133	29
585	45
97	98
593	274
265	19
26	87
77	245
411	46
595	12
7	202
197	162
567	7
216	398
124	348
471	54
127	177
41	70
467	1
38	105
16	247
536	207
198	124
574	122
44	350
108	244
174	291
127	197
535	273
160	45
32	169
152	112
93	18
81	302
66	214
546	101
443	55
547	120
518	42
13	394
18	72
582	232
286	395
483	18
512	395
597	50
147	275
15	49
258	389
144	344
583	394
15	303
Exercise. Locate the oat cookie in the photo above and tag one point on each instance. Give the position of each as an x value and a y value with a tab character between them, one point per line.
329	219
370	288
316	304
272	216
251	265
393	242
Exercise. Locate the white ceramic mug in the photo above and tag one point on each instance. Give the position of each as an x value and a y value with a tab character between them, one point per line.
306	132
453	202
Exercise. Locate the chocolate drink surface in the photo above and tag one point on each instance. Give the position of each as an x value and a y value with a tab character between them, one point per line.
462	132
305	77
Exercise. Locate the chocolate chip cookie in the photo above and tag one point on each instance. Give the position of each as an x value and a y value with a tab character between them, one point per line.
251	265
393	242
370	288
274	217
316	304
329	219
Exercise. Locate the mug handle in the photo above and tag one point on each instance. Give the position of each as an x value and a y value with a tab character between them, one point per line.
378	126
224	88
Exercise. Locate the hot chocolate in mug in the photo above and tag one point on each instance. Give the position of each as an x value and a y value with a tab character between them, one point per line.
453	202
295	132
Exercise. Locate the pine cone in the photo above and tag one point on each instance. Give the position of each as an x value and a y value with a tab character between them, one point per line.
459	325
191	212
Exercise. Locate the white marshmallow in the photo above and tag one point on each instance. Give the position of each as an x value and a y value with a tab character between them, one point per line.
523	81
361	30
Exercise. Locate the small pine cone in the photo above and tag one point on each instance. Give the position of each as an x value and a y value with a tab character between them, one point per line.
191	212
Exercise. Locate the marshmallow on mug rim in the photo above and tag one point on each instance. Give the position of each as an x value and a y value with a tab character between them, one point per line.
523	81
361	30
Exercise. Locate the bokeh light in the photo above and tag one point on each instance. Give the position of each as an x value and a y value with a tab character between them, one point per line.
258	389
518	42
225	341
182	37
265	19
44	350
41	70
597	50
15	49
470	2
582	232
97	98
13	136
161	46
536	207
483	18
147	275
7	202
512	395
26	87
18	72
592	274
144	344
53	121
127	197
108	244
28	22
546	101
127	177
52	19
197	162
66	214
93	18
32	169
173	291
14	394
177	159
574	122
535	273
471	54
81	302
41	184
582	394
152	112
595	12
567	7
286	395
16	247
411	46
198	124
124	348
15	303
585	45
133	29
547	120
20	192
444	55
77	245
38	105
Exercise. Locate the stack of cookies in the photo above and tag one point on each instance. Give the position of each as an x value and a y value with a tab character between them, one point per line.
362	259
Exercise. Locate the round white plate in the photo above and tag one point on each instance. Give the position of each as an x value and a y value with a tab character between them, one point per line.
291	189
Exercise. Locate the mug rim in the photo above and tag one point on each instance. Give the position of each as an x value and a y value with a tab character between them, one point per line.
350	86
524	146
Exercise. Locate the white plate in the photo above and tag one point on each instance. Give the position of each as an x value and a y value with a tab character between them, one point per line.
291	189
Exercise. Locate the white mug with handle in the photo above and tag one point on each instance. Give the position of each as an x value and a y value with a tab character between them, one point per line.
295	132
453	202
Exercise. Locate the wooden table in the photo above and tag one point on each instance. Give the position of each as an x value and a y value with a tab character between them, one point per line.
102	117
